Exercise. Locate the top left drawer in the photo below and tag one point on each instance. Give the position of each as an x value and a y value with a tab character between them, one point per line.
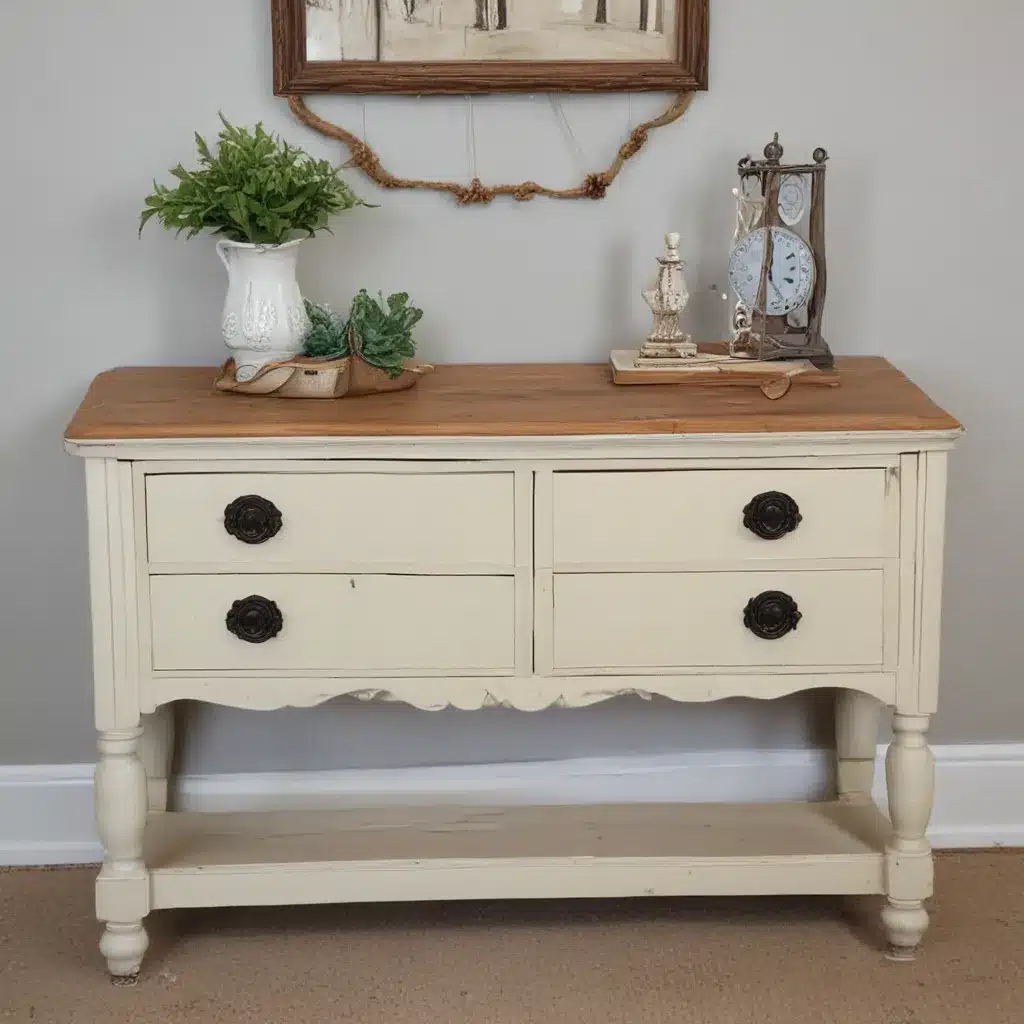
406	521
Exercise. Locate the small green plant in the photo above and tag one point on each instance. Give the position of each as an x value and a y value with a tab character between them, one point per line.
253	188
383	333
379	330
327	337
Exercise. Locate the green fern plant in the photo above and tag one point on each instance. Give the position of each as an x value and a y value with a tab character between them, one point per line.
253	187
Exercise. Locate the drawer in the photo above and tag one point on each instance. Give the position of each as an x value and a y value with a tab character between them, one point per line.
432	520
407	624
676	516
696	619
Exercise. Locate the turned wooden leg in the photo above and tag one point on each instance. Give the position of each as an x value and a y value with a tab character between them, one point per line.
157	750
856	740
910	777
122	889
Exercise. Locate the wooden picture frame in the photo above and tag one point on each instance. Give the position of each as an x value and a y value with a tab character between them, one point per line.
296	75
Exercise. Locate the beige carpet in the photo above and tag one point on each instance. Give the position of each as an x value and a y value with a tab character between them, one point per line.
721	961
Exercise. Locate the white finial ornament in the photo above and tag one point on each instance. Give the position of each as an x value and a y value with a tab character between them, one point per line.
667	299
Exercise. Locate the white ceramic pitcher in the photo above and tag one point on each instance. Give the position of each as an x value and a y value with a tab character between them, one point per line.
264	319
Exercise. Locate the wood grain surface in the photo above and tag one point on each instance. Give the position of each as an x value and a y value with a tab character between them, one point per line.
524	400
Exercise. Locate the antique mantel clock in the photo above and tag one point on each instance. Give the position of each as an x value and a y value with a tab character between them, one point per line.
777	265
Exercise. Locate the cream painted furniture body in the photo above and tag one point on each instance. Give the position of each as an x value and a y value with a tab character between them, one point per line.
519	536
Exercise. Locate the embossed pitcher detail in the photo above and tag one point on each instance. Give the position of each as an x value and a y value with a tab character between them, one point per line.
264	318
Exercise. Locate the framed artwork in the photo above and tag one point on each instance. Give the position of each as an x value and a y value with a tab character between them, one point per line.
471	46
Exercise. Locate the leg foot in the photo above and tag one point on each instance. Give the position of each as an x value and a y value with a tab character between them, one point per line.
122	888
123	946
910	774
905	923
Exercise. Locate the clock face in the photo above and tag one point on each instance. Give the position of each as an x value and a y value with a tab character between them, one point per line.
790	277
792	199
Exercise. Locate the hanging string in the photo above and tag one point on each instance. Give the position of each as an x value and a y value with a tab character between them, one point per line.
567	132
471	139
594	185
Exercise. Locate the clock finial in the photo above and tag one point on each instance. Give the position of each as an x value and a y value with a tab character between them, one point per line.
773	151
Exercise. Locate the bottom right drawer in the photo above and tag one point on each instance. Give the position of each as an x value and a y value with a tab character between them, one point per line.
651	621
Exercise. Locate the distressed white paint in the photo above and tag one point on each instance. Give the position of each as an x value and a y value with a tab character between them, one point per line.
437	637
157	751
857	715
266	690
646	620
427	625
122	888
423	853
828	448
694	515
419	516
910	782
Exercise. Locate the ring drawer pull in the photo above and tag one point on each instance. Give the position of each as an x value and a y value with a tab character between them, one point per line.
255	619
252	519
771	615
772	515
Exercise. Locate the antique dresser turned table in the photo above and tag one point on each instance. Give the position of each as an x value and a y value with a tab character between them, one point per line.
522	536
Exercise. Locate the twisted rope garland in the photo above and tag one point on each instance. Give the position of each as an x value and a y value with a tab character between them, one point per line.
594	186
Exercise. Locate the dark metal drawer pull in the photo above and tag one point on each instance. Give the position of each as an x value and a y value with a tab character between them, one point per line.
771	615
252	519
255	619
772	515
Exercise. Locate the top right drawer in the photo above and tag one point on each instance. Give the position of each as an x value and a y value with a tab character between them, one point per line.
649	517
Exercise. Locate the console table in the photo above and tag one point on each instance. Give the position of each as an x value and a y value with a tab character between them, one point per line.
522	536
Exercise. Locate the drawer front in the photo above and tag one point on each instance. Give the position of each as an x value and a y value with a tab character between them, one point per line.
409	624
696	619
370	519
678	516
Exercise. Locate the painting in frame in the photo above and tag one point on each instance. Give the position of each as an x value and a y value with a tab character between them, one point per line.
472	46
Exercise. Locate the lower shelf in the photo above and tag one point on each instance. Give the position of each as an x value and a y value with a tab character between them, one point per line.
450	853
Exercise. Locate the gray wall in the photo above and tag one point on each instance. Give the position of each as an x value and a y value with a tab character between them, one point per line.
918	102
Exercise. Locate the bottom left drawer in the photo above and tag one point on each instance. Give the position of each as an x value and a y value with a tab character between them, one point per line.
374	623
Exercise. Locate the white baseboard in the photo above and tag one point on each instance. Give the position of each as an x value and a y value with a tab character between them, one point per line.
46	815
46	810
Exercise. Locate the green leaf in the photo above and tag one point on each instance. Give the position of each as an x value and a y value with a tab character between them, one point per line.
202	148
383	329
327	337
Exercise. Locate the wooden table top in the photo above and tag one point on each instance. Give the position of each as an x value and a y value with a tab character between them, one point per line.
556	399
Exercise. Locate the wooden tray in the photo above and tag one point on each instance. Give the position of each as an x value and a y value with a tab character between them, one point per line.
713	368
